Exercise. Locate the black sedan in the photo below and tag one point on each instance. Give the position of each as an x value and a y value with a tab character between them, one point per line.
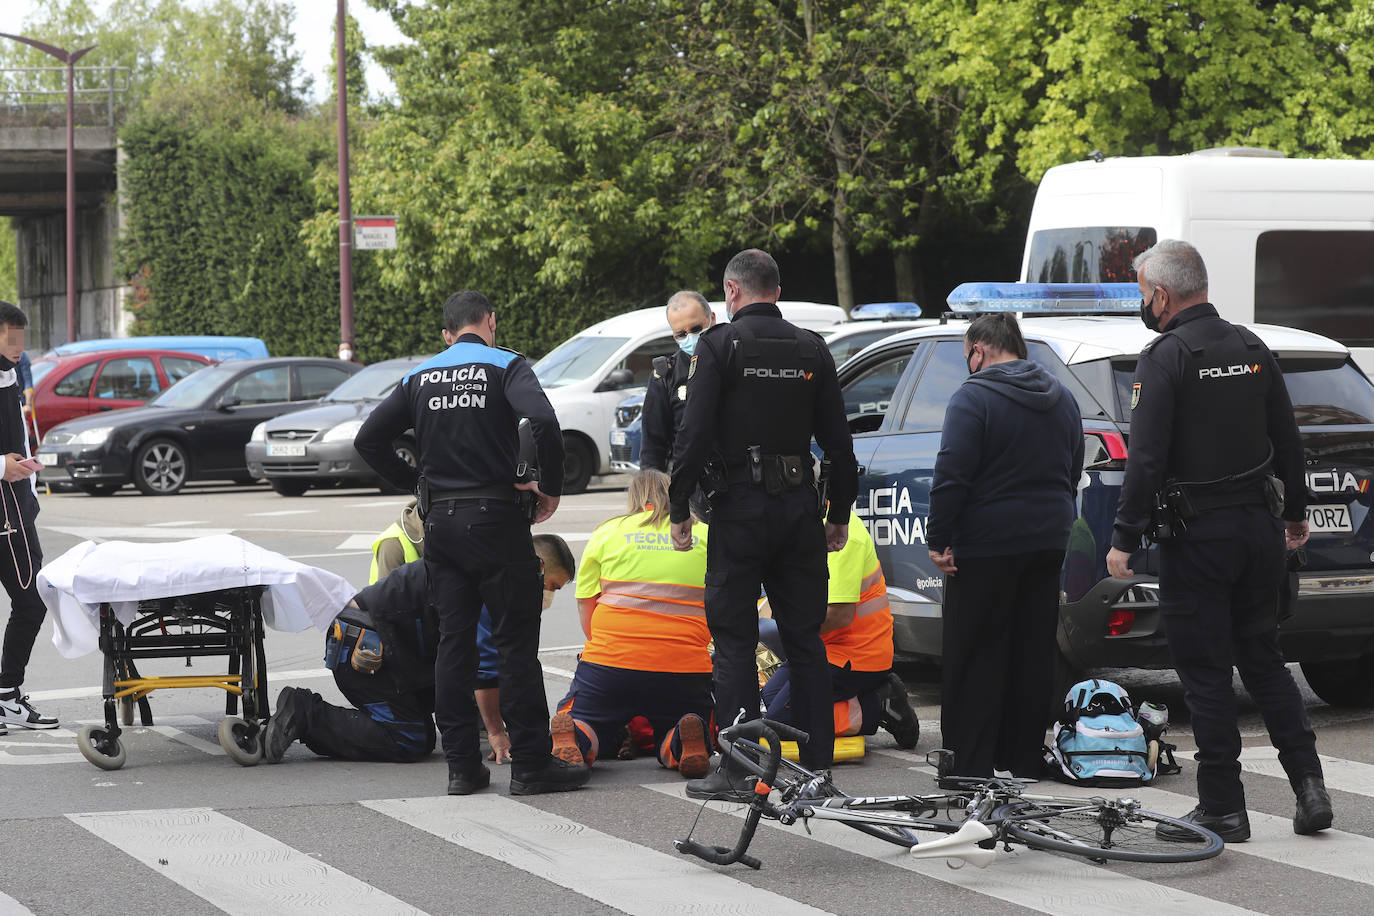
195	430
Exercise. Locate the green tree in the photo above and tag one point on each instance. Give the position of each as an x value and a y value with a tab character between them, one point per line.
9	265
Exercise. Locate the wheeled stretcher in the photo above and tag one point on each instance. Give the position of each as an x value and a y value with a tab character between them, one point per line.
211	596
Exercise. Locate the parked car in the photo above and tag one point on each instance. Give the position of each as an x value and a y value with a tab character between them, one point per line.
214	346
872	322
67	387
588	374
194	430
896	391
314	447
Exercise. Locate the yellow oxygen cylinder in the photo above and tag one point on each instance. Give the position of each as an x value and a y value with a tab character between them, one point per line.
846	749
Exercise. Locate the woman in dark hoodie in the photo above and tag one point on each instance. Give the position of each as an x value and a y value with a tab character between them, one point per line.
1001	505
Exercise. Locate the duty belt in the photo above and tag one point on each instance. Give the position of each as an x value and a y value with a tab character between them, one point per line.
503	494
1203	500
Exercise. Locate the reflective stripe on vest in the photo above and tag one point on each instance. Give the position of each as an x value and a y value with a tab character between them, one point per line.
408	548
866	644
650	626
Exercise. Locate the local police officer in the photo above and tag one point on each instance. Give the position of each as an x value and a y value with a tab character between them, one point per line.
758	389
464	406
1211	421
665	399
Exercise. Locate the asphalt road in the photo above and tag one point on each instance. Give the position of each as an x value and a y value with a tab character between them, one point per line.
181	829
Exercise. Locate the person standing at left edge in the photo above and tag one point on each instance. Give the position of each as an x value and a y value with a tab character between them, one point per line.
20	563
465	406
758	389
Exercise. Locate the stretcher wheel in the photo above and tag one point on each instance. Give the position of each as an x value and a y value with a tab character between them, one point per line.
239	741
99	748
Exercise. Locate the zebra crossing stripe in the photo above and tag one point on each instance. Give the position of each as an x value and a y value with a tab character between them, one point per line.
1061	885
616	872
1345	775
11	907
236	868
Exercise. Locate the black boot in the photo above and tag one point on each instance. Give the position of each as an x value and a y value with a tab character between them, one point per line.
1232	828
554	775
726	782
1314	806
462	782
899	718
287	724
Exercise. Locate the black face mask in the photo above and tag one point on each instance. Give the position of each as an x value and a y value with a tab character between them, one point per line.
1147	313
968	361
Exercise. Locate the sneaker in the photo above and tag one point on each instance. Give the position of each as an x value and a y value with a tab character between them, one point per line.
3	730
15	709
695	760
1232	828
898	717
285	726
556	775
725	783
460	783
563	730
1314	806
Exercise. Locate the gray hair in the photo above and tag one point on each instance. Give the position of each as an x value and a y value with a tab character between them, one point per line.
685	298
1176	266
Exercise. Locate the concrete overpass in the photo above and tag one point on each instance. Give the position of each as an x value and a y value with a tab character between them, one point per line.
33	163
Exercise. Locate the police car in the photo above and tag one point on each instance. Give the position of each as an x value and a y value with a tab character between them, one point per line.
896	391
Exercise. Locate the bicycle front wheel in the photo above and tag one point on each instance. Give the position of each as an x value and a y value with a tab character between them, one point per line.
1098	829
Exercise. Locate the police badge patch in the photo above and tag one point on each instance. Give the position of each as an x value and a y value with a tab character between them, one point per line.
682	392
1135	395
692	367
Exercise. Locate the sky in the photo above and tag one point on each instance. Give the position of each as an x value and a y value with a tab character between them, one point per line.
313	27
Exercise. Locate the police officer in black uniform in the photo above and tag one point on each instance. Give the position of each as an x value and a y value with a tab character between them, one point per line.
1213	439
464	406
381	650
758	389
665	399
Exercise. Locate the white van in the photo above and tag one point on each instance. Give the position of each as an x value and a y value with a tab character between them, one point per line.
1286	241
587	375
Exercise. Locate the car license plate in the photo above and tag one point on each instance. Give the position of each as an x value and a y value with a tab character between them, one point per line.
1322	519
617	437
49	459
285	449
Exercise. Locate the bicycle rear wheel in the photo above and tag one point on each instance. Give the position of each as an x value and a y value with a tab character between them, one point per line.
1100	829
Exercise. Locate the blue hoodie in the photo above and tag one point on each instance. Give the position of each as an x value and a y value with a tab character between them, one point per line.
1011	455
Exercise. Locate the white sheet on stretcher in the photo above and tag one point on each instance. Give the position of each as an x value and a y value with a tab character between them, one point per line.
123	574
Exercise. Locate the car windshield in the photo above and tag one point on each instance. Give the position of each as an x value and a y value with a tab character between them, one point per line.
196	388
372	384
576	359
40	368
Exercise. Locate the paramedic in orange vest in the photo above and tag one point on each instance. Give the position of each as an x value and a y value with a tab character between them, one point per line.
642	605
858	644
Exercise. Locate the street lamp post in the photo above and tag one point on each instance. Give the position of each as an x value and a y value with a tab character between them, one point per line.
69	58
346	350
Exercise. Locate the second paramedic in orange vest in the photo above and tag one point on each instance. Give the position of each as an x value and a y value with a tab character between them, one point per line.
643	611
858	644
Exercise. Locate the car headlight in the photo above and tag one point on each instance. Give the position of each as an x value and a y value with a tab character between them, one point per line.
344	432
259	433
96	435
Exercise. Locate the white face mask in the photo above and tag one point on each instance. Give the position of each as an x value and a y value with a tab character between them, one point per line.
548	598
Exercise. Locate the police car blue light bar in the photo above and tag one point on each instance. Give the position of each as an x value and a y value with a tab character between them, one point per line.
1045	298
871	310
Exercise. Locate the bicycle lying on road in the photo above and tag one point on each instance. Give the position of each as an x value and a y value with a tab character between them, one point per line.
973	815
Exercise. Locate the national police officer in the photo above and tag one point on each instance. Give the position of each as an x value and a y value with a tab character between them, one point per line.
758	389
665	399
1211	421
464	406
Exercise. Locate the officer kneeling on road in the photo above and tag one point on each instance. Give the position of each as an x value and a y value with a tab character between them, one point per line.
1210	418
464	405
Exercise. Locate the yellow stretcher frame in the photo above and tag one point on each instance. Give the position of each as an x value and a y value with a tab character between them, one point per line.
139	687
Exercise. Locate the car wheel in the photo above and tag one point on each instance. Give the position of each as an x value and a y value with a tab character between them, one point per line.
405	450
161	468
290	486
98	489
577	465
1349	682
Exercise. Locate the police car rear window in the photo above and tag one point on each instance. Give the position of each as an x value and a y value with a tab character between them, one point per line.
1324	392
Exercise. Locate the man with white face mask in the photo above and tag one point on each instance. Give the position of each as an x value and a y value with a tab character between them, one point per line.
689	314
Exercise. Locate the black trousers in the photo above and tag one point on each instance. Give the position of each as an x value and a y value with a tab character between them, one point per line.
20	559
777	542
479	552
1218	593
999	620
388	724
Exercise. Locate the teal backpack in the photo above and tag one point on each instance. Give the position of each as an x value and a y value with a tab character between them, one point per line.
1098	741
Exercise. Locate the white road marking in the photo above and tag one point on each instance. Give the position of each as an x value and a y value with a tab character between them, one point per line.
1345	775
558	672
358	542
234	867
605	868
397	503
11	907
177	524
124	532
332	553
281	512
1061	885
